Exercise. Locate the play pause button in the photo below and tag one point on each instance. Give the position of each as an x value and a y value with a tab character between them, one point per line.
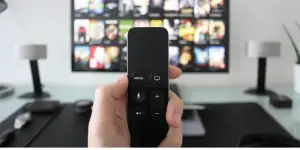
140	112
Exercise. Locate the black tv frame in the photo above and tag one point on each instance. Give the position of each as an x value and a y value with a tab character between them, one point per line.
226	45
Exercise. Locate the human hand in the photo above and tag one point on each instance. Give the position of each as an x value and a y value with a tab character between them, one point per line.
108	123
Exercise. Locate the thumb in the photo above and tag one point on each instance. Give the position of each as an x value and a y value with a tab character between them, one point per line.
173	116
106	99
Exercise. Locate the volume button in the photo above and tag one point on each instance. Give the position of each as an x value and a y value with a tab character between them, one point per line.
157	103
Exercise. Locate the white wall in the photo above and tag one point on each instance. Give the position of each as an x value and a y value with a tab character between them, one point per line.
48	21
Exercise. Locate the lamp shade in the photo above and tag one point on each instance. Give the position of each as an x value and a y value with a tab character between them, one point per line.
31	51
3	6
262	49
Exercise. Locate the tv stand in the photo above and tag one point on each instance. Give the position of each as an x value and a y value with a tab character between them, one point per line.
191	120
38	92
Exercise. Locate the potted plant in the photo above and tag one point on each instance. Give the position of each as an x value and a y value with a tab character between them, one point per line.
297	63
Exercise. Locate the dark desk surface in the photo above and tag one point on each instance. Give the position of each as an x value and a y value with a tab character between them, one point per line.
224	123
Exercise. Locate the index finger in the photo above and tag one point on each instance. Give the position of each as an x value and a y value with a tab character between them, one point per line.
174	72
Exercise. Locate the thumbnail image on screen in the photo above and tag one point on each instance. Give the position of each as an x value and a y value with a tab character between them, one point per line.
96	31
111	32
111	61
123	58
186	7
81	6
111	8
173	55
141	23
81	57
97	57
96	7
216	57
124	26
156	23
186	30
81	30
172	26
216	29
156	8
186	58
217	4
202	8
198	32
140	8
217	7
202	31
171	6
201	56
125	8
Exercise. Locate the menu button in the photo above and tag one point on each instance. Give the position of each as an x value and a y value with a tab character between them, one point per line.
138	78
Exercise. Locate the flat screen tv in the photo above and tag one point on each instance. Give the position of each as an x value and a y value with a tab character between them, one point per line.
198	32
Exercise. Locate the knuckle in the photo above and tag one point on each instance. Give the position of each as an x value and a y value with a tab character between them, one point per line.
101	90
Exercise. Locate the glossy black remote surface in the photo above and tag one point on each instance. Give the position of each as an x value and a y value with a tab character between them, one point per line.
148	60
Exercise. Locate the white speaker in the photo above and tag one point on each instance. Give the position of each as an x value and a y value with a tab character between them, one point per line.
33	52
3	6
262	50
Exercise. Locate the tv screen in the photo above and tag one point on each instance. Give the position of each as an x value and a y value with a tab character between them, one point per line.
198	32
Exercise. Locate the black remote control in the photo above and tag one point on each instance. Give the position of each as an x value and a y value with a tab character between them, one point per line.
148	64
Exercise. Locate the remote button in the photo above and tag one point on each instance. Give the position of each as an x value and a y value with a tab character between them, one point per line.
139	76
140	96
139	79
157	103
139	112
157	80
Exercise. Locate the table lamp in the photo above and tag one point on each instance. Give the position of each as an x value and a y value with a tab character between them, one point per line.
262	50
33	53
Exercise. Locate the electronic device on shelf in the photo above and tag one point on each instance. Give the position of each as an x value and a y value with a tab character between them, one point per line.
83	106
49	106
33	53
280	101
6	90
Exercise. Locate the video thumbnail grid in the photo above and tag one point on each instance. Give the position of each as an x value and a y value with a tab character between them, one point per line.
181	31
197	32
114	58
148	8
